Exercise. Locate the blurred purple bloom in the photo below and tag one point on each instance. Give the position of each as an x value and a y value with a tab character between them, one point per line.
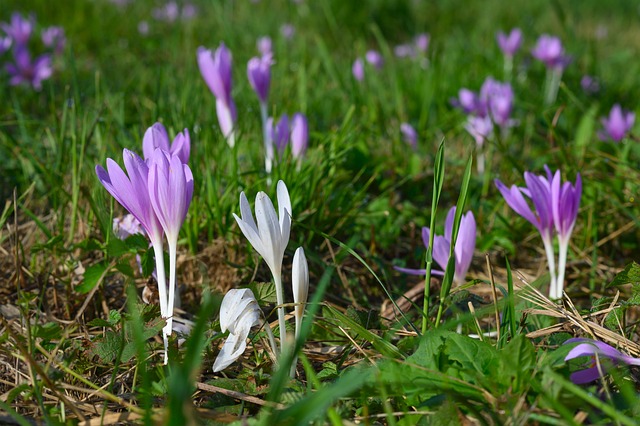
593	348
170	187
480	128
280	133
189	11
463	251
374	58
404	51
259	73
509	44
495	100
358	69
617	125
132	191
287	31
169	12
143	28
5	44
264	46
299	135
409	135
54	37
590	85
19	28
549	50
421	41
156	136
216	71
26	71
126	226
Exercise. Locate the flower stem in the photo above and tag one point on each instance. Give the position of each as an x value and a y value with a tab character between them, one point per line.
173	243
268	147
548	248
162	290
553	84
277	278
562	264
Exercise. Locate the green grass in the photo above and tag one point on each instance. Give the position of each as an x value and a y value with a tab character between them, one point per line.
82	344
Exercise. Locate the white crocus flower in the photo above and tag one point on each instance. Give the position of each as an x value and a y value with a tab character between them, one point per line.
238	313
269	237
300	284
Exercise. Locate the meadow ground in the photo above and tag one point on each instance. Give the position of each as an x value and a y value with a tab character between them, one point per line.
393	143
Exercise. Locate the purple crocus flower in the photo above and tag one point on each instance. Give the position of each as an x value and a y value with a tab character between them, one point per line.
216	71
170	186
469	102
287	31
404	51
509	44
126	226
5	44
189	11
299	135
463	251
26	71
264	46
259	73
168	13
593	349
19	29
156	136
374	58
358	69
590	85
409	135
480	128
421	41
617	125
549	50
280	133
131	191
54	37
495	100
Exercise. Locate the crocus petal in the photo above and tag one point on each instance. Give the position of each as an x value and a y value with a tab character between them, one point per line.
300	282
587	375
233	347
299	135
269	231
417	271
284	203
156	136
226	116
441	247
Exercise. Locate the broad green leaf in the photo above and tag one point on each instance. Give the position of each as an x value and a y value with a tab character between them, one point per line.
630	275
92	276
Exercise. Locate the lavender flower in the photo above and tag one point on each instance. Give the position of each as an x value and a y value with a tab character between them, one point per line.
264	46
358	69
549	50
409	135
168	13
480	128
374	58
299	135
494	100
599	350
287	31
23	70
404	51
54	37
617	125
590	85
463	250
156	136
279	133
421	42
5	44
170	187
510	43
19	29
259	74
556	208
216	71
126	226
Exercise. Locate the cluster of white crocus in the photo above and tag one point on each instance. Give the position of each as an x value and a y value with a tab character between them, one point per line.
269	236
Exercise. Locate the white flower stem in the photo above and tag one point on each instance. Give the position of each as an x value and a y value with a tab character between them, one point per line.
162	290
267	140
173	244
480	161
548	248
231	139
508	67
562	264
277	278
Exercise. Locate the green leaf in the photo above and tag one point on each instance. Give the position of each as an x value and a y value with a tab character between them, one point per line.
479	361
264	292
329	371
630	275
584	132
519	358
92	276
108	347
